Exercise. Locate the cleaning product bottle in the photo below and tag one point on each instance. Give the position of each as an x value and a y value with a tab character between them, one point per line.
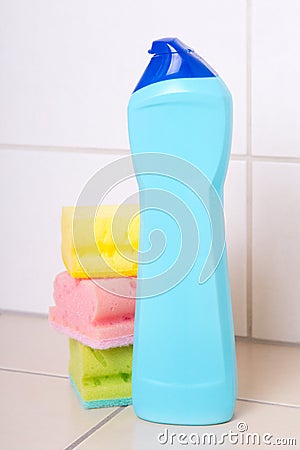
180	121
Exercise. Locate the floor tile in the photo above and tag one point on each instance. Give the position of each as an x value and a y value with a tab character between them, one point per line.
276	256
266	372
29	343
269	372
40	412
127	432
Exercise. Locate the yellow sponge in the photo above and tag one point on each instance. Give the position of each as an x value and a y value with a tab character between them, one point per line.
90	249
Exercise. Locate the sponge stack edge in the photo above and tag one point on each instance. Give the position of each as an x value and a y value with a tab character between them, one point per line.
95	301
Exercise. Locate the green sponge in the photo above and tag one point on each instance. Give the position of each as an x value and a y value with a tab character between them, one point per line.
101	377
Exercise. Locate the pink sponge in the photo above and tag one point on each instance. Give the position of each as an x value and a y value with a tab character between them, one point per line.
95	317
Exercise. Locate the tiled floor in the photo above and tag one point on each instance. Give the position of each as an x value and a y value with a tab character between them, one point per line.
39	409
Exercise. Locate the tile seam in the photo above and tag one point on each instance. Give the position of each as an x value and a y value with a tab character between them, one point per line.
63	149
255	340
123	152
95	428
268	402
249	208
29	372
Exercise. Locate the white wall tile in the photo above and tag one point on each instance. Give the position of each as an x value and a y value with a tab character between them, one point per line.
276	251
275	77
33	188
68	67
235	213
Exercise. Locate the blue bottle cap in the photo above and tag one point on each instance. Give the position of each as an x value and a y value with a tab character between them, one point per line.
173	59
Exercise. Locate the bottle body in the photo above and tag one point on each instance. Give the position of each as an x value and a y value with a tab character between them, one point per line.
184	369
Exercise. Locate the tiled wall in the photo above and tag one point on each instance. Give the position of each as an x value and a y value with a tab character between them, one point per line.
67	70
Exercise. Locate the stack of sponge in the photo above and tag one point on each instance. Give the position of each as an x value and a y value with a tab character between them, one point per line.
95	300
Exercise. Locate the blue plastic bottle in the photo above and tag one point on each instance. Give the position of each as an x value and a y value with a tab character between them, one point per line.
184	365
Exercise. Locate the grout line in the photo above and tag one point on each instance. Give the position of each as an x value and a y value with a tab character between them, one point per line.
12	312
267	402
105	151
253	340
47	148
96	427
267	159
267	341
276	159
234	157
249	256
28	372
249	173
